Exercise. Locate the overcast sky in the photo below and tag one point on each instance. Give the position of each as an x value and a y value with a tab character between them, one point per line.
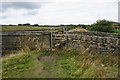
57	11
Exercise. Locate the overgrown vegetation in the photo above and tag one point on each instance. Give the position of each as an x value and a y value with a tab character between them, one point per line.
117	30
59	64
102	26
99	26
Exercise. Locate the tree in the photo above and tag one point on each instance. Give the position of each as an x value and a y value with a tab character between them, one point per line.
27	24
20	25
35	25
102	26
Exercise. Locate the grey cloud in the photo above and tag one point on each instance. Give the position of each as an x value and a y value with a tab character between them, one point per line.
30	7
30	12
20	5
33	13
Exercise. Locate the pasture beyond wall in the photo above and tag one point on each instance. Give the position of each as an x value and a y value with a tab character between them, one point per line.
92	41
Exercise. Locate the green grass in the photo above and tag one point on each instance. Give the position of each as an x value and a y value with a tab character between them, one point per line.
59	64
7	28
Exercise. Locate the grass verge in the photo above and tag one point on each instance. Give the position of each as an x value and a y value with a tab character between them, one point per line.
59	64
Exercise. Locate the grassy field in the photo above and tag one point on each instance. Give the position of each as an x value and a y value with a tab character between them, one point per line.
59	64
7	28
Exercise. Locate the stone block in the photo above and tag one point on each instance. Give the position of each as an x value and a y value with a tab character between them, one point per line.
89	38
84	38
99	40
73	37
94	38
79	37
76	37
104	40
114	41
108	40
119	42
103	48
94	43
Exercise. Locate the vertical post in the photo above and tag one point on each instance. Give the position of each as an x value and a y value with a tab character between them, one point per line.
72	29
63	29
51	38
53	30
1	54
66	39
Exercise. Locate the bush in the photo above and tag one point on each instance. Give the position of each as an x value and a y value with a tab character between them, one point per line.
102	26
83	26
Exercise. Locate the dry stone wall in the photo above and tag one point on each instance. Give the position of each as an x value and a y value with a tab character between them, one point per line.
101	34
92	41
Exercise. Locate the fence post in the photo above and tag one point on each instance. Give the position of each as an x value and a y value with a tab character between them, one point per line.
51	43
72	30
66	39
